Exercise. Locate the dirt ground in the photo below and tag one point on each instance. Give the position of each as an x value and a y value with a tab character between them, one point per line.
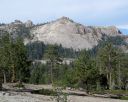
13	96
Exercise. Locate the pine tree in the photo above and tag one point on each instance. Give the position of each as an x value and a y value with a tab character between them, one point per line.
4	54
4	59
86	71
108	56
21	61
53	58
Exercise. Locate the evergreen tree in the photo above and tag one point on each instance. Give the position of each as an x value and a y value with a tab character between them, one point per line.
108	57
86	71
122	74
21	61
5	47
53	58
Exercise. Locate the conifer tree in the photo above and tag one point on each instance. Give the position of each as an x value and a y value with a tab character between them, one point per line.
53	58
108	56
86	71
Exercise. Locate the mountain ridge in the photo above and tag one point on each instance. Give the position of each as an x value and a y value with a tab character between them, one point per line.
62	31
70	34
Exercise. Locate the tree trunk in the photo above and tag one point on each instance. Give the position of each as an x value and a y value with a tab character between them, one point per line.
20	79
52	73
0	85
4	76
110	72
0	80
119	77
110	81
13	74
98	86
20	83
107	80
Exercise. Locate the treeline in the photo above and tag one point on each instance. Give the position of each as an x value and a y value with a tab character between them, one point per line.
36	51
103	67
41	74
14	63
107	70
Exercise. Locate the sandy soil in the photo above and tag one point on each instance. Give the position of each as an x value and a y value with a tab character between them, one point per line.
41	98
12	96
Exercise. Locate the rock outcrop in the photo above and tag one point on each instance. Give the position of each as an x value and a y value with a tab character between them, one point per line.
29	24
62	31
69	34
16	29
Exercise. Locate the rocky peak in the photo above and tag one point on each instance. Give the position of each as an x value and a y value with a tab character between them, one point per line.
62	31
17	22
29	23
64	19
16	29
110	31
71	34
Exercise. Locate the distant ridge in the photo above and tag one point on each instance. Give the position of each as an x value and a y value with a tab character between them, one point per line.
70	34
62	31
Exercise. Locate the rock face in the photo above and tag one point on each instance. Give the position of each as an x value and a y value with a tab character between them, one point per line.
62	31
17	29
29	24
69	34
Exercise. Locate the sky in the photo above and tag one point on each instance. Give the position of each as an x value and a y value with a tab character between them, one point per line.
87	12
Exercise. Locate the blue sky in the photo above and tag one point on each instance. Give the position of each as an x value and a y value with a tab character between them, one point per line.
88	12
